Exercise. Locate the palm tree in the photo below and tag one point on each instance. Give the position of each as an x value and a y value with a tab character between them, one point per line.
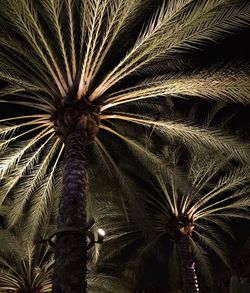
81	75
191	207
24	268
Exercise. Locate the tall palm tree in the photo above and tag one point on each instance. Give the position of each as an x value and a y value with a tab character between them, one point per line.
193	208
82	74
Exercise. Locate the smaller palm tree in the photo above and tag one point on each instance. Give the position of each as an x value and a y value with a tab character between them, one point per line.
192	206
24	269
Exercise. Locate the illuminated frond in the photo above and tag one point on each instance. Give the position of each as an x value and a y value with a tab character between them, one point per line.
171	198
189	134
220	86
42	203
28	61
30	27
201	170
18	81
202	21
53	9
119	14
25	267
24	168
71	23
231	181
15	155
96	10
17	95
36	190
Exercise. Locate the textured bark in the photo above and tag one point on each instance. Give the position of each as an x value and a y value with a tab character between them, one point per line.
70	250
187	266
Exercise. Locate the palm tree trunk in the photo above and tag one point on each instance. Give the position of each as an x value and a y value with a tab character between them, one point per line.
70	250
188	273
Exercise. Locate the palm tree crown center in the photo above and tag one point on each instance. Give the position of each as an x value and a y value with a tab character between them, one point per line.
185	225
77	116
179	226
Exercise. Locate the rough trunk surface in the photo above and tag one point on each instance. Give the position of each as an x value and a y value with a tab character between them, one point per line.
70	250
187	266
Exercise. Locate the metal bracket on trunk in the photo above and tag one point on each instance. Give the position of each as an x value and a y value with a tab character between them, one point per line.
72	230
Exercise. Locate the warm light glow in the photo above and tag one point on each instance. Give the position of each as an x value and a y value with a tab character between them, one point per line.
101	232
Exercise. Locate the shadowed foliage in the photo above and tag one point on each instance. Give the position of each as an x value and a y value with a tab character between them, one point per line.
185	222
29	269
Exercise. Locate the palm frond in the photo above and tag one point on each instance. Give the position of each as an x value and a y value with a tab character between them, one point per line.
38	189
25	20
119	13
211	244
30	269
202	21
98	283
140	151
220	86
189	134
53	9
42	204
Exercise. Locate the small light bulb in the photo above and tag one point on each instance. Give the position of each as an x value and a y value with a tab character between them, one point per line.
101	232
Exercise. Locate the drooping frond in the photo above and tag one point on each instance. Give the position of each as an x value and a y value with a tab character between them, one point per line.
202	260
140	151
37	194
220	86
207	241
12	159
189	134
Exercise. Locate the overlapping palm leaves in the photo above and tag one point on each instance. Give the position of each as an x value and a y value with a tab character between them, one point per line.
29	268
197	202
24	268
53	52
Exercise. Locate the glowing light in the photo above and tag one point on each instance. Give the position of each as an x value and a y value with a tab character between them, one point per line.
101	232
